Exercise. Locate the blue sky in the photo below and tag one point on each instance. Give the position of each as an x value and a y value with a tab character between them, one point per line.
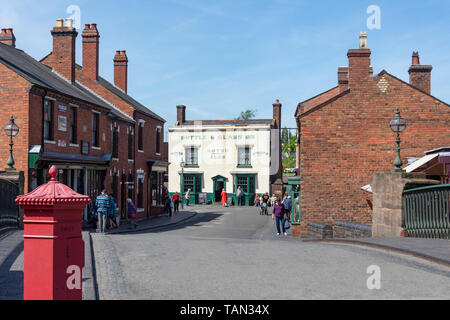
221	57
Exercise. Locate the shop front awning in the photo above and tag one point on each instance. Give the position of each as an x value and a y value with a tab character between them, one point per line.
244	172
158	165
75	158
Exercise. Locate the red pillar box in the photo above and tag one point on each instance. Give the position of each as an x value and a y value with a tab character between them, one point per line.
53	245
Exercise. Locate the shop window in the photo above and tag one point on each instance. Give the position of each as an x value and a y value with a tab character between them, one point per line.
130	186
242	182
140	194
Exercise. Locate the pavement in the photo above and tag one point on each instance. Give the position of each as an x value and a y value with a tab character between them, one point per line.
435	250
11	255
234	253
95	282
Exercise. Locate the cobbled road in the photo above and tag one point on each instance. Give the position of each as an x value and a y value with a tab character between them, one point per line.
233	253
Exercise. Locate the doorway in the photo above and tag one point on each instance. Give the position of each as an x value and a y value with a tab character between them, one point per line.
219	185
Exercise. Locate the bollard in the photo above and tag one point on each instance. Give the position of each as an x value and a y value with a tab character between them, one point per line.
53	245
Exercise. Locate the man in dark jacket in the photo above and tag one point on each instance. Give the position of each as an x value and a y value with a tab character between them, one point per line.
102	202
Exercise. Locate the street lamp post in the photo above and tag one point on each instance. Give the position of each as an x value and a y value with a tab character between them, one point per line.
397	124
182	165
11	130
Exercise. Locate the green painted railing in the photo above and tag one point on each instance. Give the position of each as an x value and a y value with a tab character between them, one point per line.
426	212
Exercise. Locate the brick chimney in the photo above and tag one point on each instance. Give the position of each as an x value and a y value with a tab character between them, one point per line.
121	70
420	75
90	37
64	36
277	114
181	115
7	37
359	69
343	78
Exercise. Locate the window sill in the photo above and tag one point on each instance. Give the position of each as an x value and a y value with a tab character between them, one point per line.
244	166
191	166
96	148
158	154
49	142
141	151
74	145
130	161
140	210
115	159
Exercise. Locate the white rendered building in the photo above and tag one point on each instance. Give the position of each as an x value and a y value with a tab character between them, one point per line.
224	154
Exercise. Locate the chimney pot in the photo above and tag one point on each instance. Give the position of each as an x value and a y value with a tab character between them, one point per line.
90	37
7	37
420	75
64	40
121	70
69	23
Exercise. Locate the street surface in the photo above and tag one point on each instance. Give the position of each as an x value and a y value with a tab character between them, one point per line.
234	253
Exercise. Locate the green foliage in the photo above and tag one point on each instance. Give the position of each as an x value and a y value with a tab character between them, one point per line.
247	114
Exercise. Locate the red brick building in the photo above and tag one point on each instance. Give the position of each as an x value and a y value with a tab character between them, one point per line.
141	166
345	136
69	116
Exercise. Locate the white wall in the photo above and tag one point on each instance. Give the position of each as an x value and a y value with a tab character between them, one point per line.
218	156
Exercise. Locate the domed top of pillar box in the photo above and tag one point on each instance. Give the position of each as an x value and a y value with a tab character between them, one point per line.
52	195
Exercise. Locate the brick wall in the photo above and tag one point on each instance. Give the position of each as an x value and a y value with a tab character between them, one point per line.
14	102
345	142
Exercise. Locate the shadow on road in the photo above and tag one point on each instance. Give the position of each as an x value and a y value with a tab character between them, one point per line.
11	282
200	218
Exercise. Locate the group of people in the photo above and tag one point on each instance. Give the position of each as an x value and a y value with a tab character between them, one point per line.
281	212
172	204
105	214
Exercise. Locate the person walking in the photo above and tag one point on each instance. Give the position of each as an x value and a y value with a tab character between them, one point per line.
168	207
287	204
176	201
224	199
131	209
278	216
102	202
256	201
112	212
188	196
264	203
240	196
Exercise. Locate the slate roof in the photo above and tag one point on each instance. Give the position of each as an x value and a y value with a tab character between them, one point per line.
313	102
125	97
229	122
41	75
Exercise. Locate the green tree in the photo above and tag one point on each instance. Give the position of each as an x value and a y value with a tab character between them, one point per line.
247	114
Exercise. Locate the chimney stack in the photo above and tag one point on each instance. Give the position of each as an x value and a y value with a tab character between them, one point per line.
121	70
359	69
181	115
64	37
420	75
7	37
277	114
90	37
343	78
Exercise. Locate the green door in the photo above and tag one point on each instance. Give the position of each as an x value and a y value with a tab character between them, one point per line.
247	184
193	182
